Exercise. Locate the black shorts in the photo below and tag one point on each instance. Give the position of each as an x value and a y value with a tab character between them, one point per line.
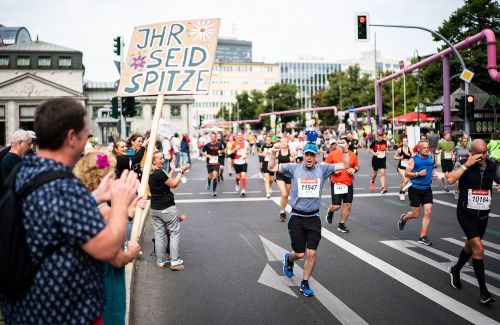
265	170
305	232
231	156
337	199
212	168
446	165
281	177
378	163
240	168
222	159
419	197
471	225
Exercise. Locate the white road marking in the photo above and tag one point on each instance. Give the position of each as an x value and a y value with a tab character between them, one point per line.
448	204
407	247
489	244
461	243
335	306
418	286
186	193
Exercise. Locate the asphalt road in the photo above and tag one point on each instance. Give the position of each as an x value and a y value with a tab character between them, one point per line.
232	248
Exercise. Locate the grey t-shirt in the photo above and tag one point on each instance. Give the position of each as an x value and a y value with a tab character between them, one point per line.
462	154
433	139
307	186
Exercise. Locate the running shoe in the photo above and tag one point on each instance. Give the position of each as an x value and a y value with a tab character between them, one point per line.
268	195
221	178
177	267
282	216
425	240
237	188
456	195
162	265
342	228
455	277
486	298
383	191
243	193
287	267
329	217
306	290
446	189
401	222
208	186
401	196
214	193
372	186
230	174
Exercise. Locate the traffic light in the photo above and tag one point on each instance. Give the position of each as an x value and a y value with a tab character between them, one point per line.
128	107
362	27
117	45
469	104
202	118
460	105
114	107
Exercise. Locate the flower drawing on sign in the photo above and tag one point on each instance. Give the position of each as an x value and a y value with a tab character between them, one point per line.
138	62
202	30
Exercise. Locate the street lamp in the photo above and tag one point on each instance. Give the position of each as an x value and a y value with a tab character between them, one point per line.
417	75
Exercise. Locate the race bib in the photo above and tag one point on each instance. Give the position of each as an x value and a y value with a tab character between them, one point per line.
381	154
213	160
479	199
340	188
309	187
404	163
240	152
448	154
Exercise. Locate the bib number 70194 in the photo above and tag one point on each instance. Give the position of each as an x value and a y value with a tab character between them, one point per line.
309	187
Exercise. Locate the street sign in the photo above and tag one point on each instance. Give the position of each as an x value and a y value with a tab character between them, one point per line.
467	75
170	58
351	109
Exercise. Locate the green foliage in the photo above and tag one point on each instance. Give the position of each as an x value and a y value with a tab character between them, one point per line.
223	113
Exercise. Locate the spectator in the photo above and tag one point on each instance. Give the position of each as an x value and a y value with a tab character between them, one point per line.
494	146
62	216
176	144
124	161
184	150
88	146
167	153
34	143
91	170
20	144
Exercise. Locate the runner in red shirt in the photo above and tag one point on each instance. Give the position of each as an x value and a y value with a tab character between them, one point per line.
241	149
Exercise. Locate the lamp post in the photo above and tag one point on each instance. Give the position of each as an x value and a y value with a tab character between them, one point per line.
418	90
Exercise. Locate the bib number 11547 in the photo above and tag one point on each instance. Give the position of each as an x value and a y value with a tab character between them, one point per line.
309	187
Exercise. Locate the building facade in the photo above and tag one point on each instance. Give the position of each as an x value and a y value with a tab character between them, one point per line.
367	63
309	77
233	50
230	79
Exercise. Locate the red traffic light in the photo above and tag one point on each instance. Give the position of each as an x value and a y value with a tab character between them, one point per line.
362	19
470	99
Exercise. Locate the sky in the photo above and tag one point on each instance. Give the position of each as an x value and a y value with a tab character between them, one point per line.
279	30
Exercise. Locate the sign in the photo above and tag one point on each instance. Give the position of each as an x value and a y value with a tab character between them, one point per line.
466	75
351	109
401	64
165	129
171	58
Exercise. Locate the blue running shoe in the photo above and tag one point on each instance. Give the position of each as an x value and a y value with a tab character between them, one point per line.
306	291
287	268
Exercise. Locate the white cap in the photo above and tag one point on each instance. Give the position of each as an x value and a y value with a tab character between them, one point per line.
32	134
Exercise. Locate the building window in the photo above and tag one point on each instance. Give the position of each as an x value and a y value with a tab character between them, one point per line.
4	61
44	61
65	62
2	112
175	111
27	111
139	112
23	61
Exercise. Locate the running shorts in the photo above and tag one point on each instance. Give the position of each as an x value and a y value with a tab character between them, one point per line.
378	163
212	168
281	177
305	232
222	160
337	199
471	225
265	170
240	168
446	165
419	197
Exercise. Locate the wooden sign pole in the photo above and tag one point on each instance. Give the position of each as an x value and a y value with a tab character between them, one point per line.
147	166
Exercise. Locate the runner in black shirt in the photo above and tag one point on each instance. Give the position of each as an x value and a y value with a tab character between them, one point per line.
379	150
211	151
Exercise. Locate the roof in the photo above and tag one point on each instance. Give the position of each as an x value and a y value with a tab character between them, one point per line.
13	35
100	85
36	46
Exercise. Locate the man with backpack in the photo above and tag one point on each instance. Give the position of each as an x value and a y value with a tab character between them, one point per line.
63	232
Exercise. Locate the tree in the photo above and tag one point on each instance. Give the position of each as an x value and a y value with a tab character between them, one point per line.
281	97
223	113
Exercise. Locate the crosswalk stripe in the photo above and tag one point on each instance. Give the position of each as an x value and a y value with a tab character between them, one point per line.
461	243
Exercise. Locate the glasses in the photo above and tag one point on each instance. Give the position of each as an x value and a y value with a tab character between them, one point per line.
27	142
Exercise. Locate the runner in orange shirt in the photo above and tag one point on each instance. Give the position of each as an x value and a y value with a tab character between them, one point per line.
341	184
241	148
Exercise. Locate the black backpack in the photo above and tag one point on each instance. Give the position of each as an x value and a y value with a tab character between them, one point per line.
17	271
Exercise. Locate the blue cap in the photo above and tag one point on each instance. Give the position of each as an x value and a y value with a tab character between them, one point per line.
311	147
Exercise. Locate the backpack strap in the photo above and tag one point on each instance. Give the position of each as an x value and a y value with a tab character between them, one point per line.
41	179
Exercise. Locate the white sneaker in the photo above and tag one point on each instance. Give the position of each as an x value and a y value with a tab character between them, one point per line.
237	188
177	262
268	195
243	192
456	195
402	196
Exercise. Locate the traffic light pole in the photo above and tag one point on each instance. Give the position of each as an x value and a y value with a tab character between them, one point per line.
123	122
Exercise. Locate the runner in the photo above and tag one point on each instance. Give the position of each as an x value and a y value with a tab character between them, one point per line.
353	143
230	156
222	156
476	177
421	170
341	185
265	152
433	143
445	148
211	151
403	154
460	154
284	183
241	150
304	225
379	150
